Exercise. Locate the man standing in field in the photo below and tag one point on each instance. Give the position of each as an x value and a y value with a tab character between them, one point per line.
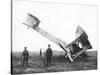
25	57
41	52
49	54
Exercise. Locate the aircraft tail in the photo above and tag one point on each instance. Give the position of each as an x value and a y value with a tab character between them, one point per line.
32	21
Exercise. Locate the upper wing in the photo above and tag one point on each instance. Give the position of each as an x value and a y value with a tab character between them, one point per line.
82	35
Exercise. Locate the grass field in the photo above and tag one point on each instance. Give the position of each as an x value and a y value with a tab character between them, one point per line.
59	63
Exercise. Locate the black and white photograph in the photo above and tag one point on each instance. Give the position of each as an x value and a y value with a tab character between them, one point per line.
53	37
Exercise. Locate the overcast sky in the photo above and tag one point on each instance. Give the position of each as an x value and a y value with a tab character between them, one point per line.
60	20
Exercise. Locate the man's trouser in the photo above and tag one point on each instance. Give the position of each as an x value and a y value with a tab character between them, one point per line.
48	61
25	62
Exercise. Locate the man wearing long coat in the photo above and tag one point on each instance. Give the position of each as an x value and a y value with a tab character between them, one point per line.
49	54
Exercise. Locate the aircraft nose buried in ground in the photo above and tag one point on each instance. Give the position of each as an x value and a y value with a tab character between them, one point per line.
72	49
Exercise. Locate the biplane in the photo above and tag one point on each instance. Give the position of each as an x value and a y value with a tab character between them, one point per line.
73	49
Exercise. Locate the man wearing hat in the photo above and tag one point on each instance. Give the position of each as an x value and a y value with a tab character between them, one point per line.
25	57
49	54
